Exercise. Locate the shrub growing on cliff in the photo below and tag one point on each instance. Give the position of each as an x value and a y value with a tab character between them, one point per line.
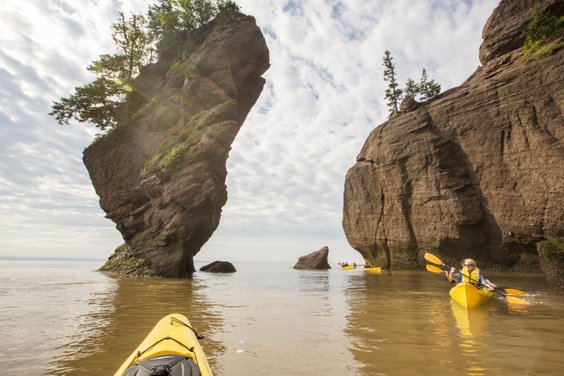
541	30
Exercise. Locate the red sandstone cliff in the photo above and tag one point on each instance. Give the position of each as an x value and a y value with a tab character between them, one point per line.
478	171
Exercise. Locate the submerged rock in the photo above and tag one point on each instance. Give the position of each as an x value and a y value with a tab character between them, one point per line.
161	174
314	261
219	267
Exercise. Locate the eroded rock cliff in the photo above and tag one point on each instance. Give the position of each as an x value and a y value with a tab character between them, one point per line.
161	175
478	171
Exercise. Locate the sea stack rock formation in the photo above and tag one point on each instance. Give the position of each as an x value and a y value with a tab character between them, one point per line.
161	175
476	172
314	261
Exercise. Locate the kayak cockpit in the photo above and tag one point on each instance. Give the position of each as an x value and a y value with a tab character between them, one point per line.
164	365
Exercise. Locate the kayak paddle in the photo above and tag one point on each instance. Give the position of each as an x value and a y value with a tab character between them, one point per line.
506	294
436	269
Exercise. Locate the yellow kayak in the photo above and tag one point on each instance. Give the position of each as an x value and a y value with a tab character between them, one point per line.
171	348
348	267
374	269
469	296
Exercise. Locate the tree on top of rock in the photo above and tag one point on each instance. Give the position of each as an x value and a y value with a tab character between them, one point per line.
103	101
427	88
393	92
423	91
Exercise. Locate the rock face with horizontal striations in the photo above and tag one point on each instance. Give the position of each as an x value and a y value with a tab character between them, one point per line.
161	175
476	172
314	261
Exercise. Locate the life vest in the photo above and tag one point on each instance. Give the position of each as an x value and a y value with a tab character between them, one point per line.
474	275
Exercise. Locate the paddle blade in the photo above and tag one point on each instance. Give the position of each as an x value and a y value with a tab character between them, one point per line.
433	269
515	292
516	300
432	258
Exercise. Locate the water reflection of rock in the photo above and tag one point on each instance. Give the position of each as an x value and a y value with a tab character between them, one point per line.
124	316
313	281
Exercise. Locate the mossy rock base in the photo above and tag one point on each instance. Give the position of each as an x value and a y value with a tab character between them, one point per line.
551	256
123	262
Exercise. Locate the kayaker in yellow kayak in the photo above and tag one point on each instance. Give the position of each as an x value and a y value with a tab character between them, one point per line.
469	274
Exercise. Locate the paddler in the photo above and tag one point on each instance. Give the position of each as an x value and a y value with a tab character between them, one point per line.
470	274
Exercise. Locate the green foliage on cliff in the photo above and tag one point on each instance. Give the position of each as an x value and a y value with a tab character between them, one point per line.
173	156
551	249
139	41
168	155
543	34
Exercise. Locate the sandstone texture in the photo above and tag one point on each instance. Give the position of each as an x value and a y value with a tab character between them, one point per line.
475	172
161	175
551	254
314	261
219	267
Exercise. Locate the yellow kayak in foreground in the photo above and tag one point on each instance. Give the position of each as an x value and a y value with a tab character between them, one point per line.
171	348
469	296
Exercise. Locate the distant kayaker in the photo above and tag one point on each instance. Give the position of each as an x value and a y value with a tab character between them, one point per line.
469	274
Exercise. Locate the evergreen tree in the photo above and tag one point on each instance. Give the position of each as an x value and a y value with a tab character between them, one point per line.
133	42
101	102
227	6
428	88
422	91
411	89
170	21
393	92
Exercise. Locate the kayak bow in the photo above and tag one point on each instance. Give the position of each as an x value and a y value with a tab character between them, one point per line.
171	344
469	296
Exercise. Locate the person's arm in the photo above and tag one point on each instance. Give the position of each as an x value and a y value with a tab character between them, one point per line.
450	275
484	281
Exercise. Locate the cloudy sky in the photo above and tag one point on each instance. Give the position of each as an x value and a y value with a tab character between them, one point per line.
323	96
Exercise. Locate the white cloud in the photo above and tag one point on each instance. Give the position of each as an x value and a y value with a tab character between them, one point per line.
286	170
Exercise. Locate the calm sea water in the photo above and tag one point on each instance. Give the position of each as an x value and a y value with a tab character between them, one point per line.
64	318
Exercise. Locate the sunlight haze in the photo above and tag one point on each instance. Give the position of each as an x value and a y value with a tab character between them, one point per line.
324	93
